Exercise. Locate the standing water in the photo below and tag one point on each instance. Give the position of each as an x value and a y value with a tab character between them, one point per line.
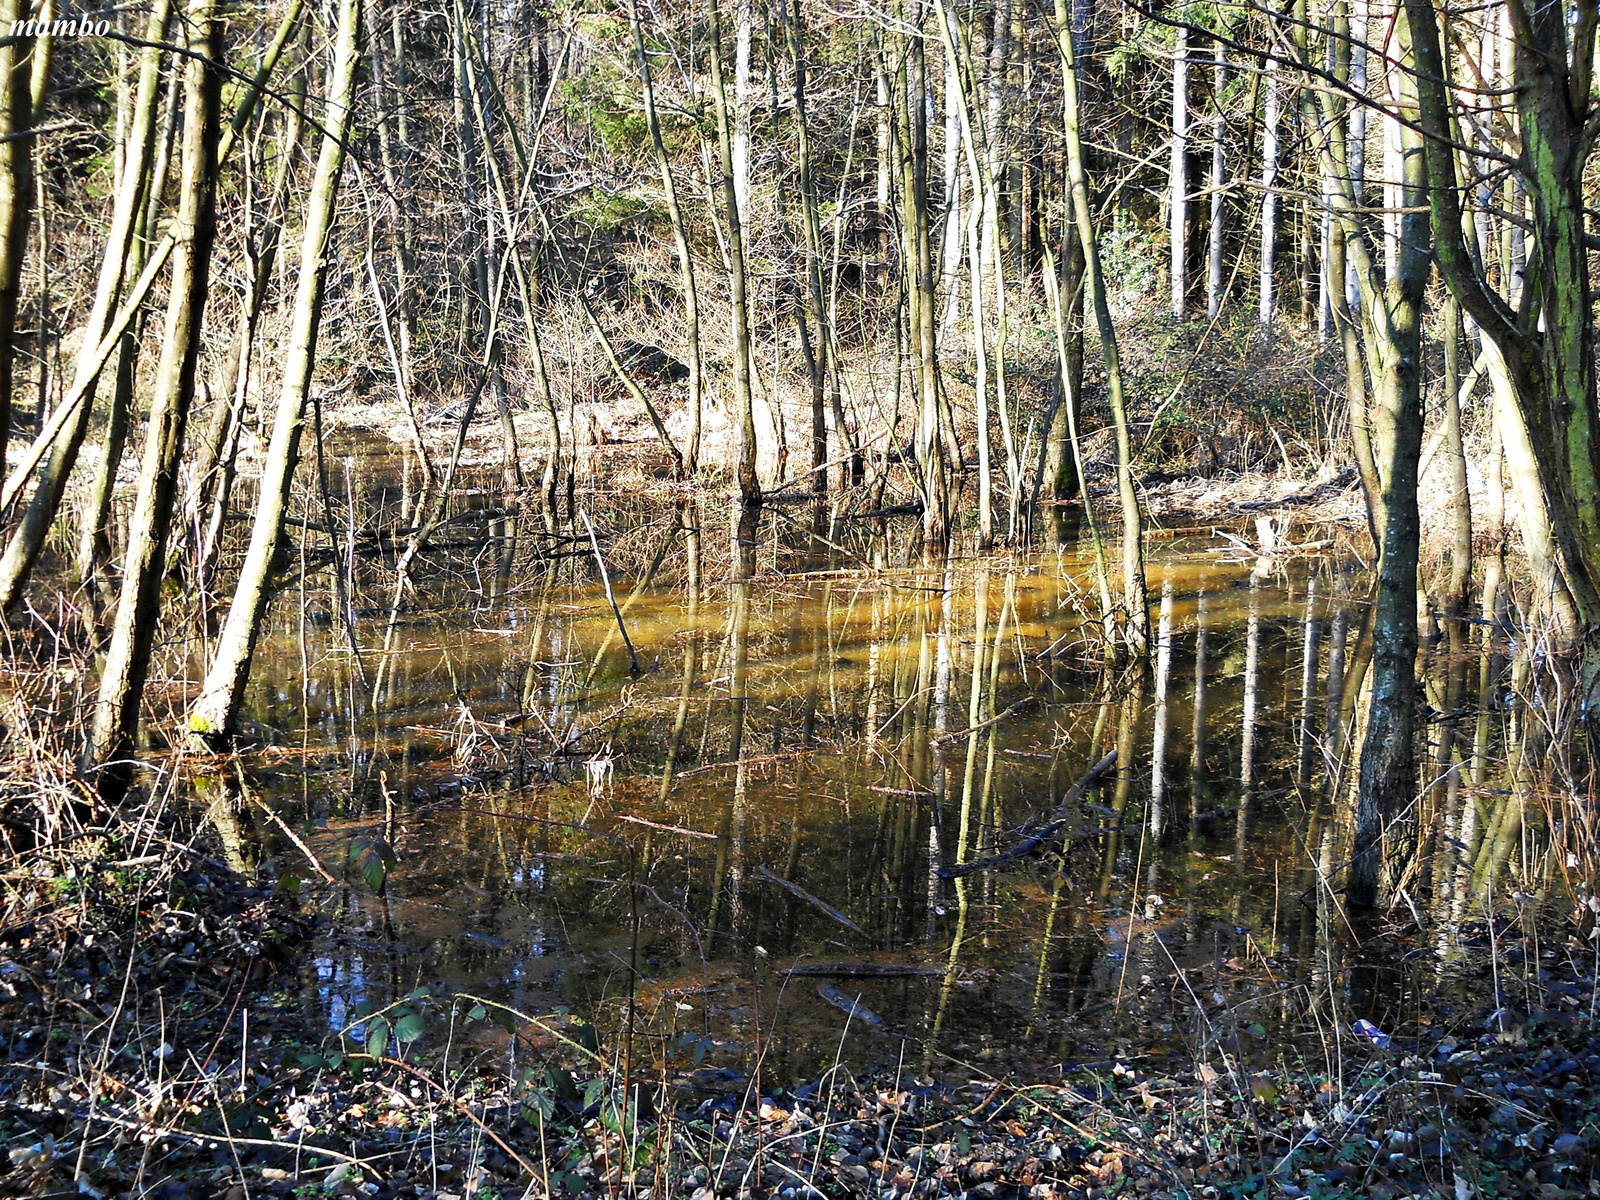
833	812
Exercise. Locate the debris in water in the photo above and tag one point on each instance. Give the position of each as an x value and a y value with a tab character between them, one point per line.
851	1007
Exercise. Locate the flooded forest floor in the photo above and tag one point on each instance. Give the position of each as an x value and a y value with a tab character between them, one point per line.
851	876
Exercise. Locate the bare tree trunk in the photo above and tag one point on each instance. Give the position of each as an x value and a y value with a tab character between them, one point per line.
214	714
743	28
749	484
1060	469
116	713
1217	232
1391	328
94	544
215	495
934	439
16	191
28	540
1135	597
680	238
390	85
1178	176
819	361
1456	465
1270	204
1071	374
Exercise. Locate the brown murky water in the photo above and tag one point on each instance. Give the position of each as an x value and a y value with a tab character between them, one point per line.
794	763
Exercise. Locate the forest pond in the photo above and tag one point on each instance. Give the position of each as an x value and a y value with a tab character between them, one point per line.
795	761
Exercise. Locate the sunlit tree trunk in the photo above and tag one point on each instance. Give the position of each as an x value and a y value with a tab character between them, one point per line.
214	714
1060	466
934	456
744	405
116	714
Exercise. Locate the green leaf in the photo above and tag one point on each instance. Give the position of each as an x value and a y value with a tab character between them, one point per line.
588	1037
504	1019
476	1013
374	858
408	1026
378	1037
563	1085
592	1091
312	1060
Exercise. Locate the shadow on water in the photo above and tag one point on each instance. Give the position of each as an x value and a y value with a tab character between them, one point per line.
813	751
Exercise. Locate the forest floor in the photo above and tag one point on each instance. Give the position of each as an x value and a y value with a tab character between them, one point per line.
155	1046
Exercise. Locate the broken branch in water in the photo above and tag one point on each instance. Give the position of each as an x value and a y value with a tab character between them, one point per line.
633	659
994	720
283	826
795	889
677	829
1046	834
